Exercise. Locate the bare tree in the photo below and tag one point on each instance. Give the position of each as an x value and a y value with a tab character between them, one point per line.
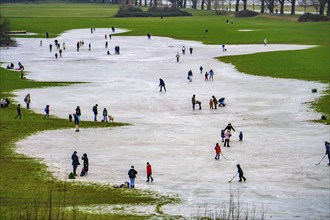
262	6
316	5
270	5
304	3
194	4
208	4
237	5
281	6
322	6
293	6
244	5
202	4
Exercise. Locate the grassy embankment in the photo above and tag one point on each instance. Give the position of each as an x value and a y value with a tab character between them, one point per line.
20	174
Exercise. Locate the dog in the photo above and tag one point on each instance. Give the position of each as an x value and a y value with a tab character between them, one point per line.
111	118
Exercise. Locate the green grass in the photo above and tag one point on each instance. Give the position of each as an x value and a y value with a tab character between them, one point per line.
24	181
20	175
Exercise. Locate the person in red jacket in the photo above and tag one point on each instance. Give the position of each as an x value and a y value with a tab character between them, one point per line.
149	172
217	151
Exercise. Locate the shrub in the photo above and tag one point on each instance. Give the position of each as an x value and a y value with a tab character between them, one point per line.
246	13
131	11
312	17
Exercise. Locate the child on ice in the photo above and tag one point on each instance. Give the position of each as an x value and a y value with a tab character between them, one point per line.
217	151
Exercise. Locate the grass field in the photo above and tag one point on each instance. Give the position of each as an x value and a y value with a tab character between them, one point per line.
25	183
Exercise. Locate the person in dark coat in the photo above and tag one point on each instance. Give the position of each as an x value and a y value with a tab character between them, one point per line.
193	101
19	112
327	150
85	163
222	135
47	111
76	122
240	136
75	162
95	112
240	173
132	175
229	127
162	85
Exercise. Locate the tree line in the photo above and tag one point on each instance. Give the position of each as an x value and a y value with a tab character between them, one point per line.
265	6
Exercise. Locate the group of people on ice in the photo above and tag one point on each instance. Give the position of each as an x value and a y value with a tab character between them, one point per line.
214	103
225	136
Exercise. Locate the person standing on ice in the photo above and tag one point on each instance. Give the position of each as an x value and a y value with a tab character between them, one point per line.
227	138
190	75
105	115
95	112
240	136
240	173
149	172
132	175
215	102
47	111
177	57
75	162
27	100
76	121
217	151
229	127
222	135
162	85
86	163
327	150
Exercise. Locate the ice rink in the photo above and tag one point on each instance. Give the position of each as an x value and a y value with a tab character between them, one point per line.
278	154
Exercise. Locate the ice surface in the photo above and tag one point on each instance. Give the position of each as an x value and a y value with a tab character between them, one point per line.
280	148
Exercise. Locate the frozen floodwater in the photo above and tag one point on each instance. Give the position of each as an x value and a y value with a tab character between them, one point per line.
280	148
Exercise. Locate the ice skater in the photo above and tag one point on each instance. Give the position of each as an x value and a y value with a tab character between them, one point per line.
76	121
132	175
149	172
211	103
183	50
211	73
190	75
201	69
75	162
222	134
240	173
227	138
85	163
190	50
177	57
240	136
206	76
47	111
215	102
265	41
229	127
27	100
327	151
194	102
95	112
162	85
105	115
217	151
